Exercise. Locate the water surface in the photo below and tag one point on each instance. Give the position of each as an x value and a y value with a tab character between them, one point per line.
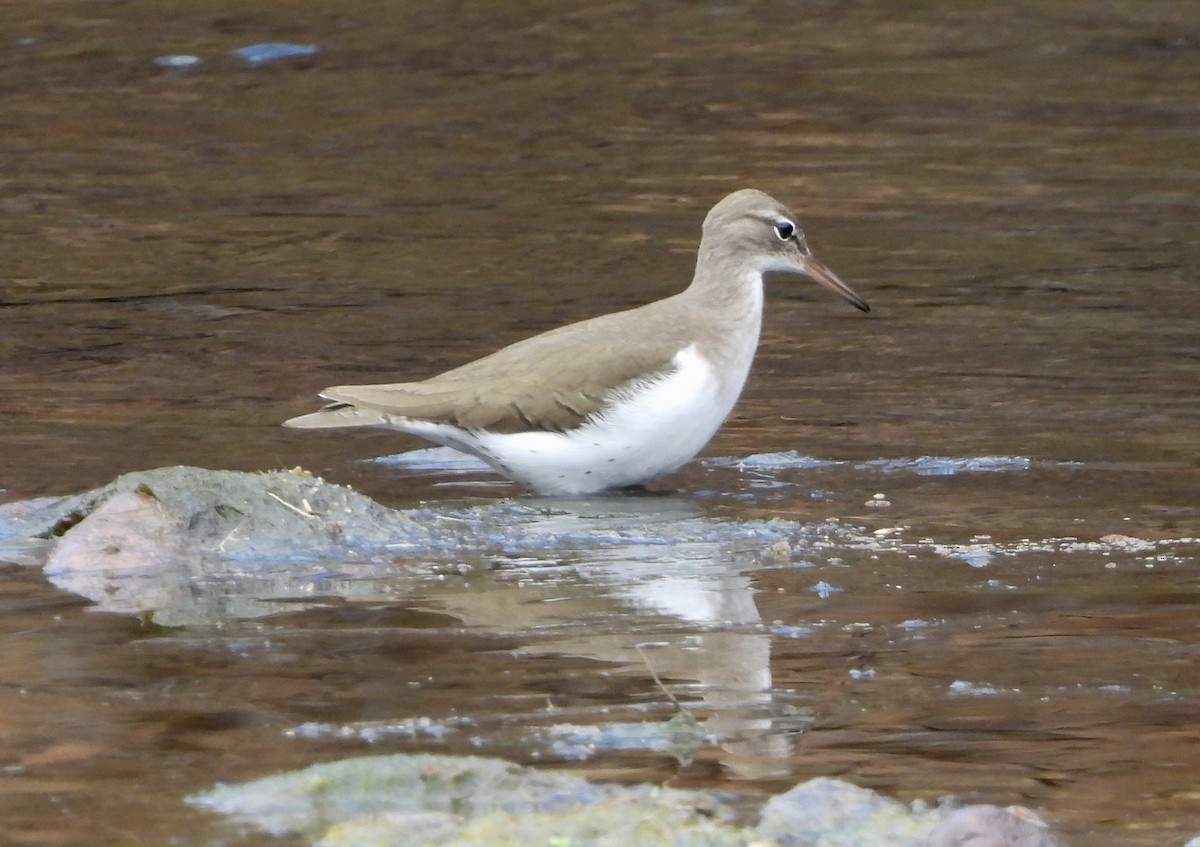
190	256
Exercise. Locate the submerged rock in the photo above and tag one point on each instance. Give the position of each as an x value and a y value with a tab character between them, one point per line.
188	545
257	55
178	62
294	516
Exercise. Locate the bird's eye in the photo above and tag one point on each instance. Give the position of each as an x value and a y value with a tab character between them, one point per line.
784	229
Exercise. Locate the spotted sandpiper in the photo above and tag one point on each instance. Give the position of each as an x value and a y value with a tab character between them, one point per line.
617	400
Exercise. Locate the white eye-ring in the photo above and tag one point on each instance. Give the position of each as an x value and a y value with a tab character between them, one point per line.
784	229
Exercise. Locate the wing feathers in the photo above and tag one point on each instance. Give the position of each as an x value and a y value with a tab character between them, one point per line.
553	381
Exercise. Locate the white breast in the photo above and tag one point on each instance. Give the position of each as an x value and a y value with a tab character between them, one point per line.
652	428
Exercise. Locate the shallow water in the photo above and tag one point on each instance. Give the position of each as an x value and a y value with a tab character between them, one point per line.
1013	187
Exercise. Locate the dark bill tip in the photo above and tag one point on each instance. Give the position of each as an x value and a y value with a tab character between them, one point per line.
820	274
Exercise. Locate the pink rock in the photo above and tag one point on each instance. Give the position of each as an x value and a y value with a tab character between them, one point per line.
128	530
127	556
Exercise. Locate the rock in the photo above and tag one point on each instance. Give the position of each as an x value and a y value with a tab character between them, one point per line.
188	545
831	813
129	542
469	801
991	826
639	821
257	55
271	516
427	799
129	530
178	62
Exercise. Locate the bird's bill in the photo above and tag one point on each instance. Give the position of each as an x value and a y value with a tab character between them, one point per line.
816	271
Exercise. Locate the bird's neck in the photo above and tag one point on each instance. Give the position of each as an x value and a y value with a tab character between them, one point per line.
727	289
726	305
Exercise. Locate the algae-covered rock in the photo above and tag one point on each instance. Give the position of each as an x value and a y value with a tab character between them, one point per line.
188	545
238	516
376	794
645	820
453	801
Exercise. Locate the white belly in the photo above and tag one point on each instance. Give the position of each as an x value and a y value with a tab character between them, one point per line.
656	427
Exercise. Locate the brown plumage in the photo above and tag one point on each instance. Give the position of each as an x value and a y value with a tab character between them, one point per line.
683	358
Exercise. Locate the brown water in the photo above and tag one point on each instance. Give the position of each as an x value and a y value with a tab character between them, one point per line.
1013	187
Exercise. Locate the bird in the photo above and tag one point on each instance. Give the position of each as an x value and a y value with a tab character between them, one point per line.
615	401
